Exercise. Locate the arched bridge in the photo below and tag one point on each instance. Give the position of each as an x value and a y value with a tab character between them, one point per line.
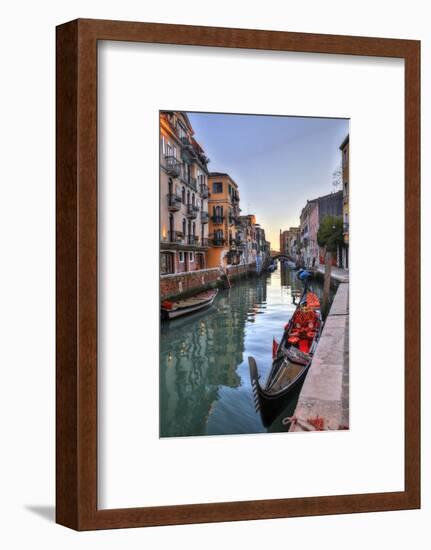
280	256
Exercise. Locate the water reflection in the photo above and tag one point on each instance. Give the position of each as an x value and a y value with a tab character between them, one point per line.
204	379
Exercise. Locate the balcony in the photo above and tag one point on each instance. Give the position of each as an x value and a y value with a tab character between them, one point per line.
185	141
192	211
172	166
191	182
174	202
175	236
204	217
218	241
193	240
204	191
235	197
217	219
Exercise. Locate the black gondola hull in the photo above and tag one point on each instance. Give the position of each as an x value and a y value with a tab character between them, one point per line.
270	405
270	401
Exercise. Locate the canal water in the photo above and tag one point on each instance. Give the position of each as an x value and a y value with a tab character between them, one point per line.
205	386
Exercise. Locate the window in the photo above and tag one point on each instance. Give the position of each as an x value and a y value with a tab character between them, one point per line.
191	256
218	187
181	257
181	130
184	227
183	195
166	263
163	145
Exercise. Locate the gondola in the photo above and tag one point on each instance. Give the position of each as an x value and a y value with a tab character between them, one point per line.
172	310
292	358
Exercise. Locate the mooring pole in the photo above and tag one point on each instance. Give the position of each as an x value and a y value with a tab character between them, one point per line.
326	282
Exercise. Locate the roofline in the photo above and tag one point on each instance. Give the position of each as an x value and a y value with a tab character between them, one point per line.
345	142
221	174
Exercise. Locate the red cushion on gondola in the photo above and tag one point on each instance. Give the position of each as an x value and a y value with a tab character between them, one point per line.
304	345
312	300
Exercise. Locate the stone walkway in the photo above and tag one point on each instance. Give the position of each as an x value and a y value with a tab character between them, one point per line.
337	273
325	393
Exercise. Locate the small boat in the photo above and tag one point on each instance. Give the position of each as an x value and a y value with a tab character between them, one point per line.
171	310
292	358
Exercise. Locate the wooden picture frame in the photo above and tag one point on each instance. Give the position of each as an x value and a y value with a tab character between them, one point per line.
76	374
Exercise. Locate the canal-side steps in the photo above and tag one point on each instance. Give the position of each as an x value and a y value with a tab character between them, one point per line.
323	402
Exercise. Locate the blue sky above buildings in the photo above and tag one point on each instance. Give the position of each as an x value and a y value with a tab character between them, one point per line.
278	162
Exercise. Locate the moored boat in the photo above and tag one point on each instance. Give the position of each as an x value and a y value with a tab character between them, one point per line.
292	358
173	309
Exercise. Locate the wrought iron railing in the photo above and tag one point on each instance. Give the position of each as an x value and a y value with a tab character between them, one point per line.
175	236
174	202
172	165
192	211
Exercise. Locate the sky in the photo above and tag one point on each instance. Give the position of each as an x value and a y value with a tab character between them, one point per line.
278	162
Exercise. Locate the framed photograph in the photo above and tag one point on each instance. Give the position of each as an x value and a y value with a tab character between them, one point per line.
238	274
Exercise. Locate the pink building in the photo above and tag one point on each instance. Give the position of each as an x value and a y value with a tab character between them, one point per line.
309	225
313	227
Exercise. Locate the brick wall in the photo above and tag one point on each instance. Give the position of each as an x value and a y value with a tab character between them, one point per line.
185	283
235	271
190	282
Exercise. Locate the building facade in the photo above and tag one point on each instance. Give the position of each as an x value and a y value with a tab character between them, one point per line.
344	148
312	214
262	249
284	235
290	243
330	205
247	237
308	226
183	196
224	212
293	244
